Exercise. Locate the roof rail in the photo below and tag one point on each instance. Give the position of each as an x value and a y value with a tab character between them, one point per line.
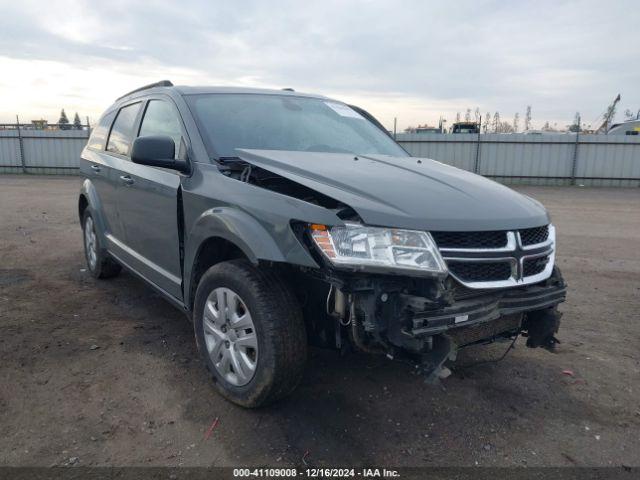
161	83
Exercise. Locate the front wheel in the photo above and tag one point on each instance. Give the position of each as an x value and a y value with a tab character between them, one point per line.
250	333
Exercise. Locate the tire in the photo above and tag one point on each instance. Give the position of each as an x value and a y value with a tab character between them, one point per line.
99	264
281	343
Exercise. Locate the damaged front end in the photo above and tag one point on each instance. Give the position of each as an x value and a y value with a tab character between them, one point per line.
429	320
498	294
411	292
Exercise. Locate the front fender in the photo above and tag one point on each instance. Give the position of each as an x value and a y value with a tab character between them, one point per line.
238	228
257	241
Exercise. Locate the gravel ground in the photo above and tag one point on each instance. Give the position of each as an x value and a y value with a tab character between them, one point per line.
106	372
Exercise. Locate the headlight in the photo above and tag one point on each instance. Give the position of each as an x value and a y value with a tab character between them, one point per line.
355	245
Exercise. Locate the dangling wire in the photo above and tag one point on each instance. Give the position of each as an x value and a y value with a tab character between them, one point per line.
482	362
329	312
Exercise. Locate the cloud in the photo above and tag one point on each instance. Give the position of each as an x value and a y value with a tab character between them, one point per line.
411	59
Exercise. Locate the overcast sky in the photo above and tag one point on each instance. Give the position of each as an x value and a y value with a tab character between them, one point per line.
416	60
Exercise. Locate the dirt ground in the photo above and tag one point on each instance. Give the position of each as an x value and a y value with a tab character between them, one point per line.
106	372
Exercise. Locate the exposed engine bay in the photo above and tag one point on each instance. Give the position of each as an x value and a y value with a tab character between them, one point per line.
246	172
423	320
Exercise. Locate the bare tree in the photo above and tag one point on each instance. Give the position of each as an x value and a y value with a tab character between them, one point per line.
505	127
467	115
527	119
476	114
457	117
487	120
496	122
516	122
575	126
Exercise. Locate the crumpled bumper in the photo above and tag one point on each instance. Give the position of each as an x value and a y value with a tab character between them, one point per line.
487	308
471	316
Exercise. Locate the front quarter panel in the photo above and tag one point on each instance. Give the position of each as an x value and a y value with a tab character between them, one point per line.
256	220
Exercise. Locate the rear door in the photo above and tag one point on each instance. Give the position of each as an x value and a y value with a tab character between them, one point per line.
112	160
148	204
97	166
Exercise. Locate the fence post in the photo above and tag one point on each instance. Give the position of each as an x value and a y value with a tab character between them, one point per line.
574	163
21	146
476	166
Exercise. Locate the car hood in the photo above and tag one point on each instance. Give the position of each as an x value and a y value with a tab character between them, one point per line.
405	192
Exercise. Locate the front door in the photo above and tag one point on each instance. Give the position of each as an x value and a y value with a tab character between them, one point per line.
148	206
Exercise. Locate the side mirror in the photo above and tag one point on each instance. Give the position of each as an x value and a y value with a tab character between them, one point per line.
157	151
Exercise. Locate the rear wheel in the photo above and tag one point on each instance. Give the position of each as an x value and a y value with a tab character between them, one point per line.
99	263
250	333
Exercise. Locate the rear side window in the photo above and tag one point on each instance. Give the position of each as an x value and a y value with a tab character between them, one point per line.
161	119
122	130
99	135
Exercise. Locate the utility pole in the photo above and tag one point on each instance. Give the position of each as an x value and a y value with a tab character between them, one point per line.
395	125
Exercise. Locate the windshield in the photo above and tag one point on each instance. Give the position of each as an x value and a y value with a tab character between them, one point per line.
279	122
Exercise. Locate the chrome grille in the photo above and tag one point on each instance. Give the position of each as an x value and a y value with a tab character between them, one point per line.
524	257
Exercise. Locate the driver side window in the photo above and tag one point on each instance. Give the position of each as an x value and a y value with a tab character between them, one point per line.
161	119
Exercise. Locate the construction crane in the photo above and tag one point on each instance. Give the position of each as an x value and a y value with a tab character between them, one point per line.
608	115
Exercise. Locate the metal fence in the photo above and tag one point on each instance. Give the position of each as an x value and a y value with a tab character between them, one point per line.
548	159
26	150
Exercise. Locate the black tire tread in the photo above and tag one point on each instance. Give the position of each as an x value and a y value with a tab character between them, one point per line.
109	268
282	326
106	267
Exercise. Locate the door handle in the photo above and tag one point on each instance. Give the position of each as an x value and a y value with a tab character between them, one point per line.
96	168
126	179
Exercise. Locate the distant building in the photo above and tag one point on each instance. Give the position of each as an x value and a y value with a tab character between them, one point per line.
41	124
424	129
465	127
427	129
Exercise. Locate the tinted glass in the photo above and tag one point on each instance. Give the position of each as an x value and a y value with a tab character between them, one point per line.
278	122
99	134
161	119
122	130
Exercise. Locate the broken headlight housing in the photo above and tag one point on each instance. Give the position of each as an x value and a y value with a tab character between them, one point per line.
358	246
